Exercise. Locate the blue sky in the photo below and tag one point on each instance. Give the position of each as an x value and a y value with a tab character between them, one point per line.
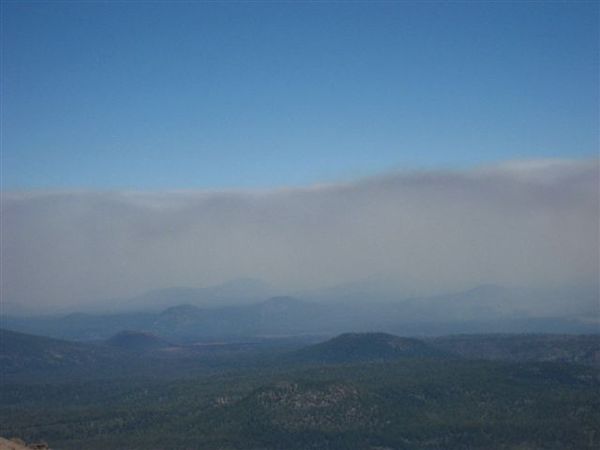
151	96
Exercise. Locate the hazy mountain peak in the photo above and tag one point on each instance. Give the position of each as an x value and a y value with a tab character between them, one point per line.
235	291
180	310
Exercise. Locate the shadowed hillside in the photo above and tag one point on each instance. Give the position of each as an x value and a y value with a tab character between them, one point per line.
137	341
27	353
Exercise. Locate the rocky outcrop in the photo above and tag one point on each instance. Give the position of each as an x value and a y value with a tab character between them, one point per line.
19	444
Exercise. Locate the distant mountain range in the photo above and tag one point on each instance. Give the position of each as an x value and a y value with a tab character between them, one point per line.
480	310
237	291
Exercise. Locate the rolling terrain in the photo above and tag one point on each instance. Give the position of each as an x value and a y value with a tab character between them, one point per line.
354	391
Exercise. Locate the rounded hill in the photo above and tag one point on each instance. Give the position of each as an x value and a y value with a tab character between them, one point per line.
360	347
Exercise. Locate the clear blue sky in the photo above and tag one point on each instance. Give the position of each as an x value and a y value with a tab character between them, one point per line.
217	95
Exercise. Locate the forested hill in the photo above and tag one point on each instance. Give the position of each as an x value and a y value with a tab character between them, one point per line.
364	347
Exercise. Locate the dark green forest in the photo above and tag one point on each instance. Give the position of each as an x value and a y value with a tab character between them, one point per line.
358	391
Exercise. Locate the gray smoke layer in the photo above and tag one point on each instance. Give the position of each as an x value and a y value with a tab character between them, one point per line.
518	224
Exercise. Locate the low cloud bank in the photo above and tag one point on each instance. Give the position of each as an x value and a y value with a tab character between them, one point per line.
518	224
